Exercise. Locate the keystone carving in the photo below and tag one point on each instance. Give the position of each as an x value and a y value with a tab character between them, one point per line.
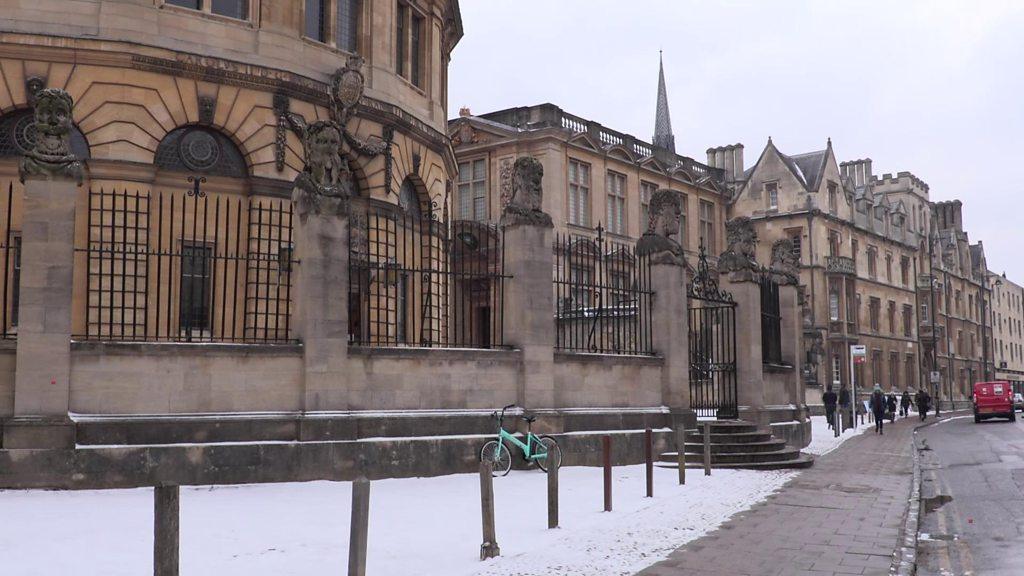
739	258
51	157
665	210
524	206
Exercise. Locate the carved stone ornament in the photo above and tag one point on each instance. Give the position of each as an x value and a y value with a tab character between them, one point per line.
739	258
51	158
207	107
327	183
524	206
505	181
665	210
784	267
324	186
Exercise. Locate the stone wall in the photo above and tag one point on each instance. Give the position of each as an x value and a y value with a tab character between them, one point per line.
607	381
7	362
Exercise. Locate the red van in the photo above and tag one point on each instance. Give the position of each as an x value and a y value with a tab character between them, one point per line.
993	399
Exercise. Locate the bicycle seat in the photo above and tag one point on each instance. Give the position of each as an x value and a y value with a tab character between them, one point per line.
530	419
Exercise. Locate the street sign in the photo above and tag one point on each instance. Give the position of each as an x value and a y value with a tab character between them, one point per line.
935	378
858	350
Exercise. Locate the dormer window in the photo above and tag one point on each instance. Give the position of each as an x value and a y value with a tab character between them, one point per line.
833	198
771	192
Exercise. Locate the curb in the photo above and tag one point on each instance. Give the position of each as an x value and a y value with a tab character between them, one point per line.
904	561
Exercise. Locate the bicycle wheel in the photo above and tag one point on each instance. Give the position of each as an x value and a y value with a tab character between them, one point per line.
501	459
554	453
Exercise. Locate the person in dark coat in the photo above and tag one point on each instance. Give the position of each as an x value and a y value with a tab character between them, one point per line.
878	405
890	406
844	404
923	402
830	399
905	404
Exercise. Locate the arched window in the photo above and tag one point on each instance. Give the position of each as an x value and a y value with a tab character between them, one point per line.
200	150
18	135
409	199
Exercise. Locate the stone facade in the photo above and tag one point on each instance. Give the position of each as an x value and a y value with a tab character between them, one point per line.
1007	322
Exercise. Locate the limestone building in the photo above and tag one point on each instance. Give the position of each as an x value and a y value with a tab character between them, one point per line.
1007	321
593	175
856	238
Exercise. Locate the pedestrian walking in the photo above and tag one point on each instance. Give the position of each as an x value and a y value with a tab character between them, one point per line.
844	404
923	401
890	407
878	405
905	404
830	399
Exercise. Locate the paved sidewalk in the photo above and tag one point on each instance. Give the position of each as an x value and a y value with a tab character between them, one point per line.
842	516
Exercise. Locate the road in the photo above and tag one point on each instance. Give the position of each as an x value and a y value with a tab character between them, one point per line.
973	498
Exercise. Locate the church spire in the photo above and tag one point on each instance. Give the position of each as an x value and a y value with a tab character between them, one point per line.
663	137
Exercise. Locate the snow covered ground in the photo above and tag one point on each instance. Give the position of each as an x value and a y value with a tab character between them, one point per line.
824	441
426	526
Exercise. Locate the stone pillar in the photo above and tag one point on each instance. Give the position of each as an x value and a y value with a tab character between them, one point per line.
749	358
43	363
792	345
321	307
529	310
529	294
670	332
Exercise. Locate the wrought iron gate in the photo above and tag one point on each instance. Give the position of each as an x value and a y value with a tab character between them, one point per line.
712	322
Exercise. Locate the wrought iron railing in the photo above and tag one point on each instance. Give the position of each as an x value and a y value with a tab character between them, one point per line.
603	296
180	266
424	281
771	321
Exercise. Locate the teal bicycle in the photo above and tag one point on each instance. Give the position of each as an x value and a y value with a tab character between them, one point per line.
542	450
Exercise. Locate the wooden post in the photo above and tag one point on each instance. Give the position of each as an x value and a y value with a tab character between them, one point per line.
606	444
489	548
681	452
552	496
359	534
707	448
649	461
165	530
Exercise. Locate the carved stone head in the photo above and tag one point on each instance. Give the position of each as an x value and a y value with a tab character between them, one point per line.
785	267
741	254
665	210
525	204
51	155
325	184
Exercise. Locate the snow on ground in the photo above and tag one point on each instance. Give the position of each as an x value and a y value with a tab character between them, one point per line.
426	526
824	441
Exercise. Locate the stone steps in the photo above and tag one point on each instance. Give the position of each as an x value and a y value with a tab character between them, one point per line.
737	444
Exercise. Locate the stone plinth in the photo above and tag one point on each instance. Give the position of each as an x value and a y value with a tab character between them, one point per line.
750	380
529	311
670	337
43	365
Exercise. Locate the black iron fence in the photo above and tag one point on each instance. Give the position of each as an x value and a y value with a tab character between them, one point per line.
602	296
711	315
771	321
10	254
178	266
422	281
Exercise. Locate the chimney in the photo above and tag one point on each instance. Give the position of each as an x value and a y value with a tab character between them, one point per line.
711	158
464	112
728	158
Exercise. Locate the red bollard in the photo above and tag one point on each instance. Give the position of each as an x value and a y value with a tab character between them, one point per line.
606	443
649	460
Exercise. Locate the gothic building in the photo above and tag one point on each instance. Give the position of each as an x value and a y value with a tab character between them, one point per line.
1007	321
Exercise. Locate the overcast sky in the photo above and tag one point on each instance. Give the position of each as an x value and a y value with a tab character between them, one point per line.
932	87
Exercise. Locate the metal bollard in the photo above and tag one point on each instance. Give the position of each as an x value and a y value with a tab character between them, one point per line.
165	530
681	452
606	444
707	448
359	534
837	419
552	496
489	548
649	461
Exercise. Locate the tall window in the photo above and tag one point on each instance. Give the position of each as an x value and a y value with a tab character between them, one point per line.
230	8
833	243
837	371
876	366
833	198
891	312
925	318
473	190
911	369
894	369
888	267
647	189
854	249
905	270
796	237
833	305
409	44
684	228
908	320
771	192
409	200
874	311
707	225
316	20
579	193
194	293
615	184
872	262
347	25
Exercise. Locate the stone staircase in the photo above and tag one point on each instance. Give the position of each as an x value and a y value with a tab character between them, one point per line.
738	444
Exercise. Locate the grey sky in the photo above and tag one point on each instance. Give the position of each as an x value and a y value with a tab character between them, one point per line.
932	87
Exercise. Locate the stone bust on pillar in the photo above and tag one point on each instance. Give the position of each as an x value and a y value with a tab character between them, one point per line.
51	157
524	206
739	259
665	210
784	267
